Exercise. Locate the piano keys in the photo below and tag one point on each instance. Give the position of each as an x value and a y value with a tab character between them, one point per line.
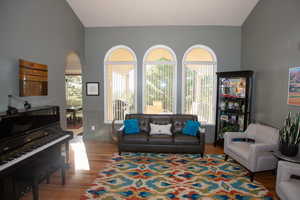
25	137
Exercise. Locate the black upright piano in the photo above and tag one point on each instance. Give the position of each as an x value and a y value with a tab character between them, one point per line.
25	138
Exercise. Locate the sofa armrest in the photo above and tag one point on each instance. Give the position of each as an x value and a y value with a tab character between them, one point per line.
286	170
117	133
201	137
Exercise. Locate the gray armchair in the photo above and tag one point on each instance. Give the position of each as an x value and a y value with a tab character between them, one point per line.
287	187
256	156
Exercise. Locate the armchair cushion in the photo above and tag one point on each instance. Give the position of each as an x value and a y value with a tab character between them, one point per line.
241	148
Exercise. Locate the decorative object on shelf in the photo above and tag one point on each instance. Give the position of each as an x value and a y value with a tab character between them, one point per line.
294	86
289	135
233	102
222	105
92	88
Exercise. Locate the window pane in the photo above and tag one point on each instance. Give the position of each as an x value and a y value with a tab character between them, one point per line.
199	54
121	54
159	54
119	91
158	91
199	85
73	90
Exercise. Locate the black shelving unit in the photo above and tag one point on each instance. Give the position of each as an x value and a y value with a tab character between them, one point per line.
234	95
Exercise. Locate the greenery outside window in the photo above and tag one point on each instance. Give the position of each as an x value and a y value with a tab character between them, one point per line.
74	90
159	93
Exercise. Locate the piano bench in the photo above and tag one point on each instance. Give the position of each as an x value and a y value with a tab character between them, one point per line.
37	172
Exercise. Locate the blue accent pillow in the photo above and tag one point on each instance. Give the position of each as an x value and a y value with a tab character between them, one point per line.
131	126
191	128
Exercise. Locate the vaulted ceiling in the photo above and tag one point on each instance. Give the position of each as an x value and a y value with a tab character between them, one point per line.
98	13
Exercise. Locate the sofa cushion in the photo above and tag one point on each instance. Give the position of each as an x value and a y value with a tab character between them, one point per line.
161	139
180	138
140	138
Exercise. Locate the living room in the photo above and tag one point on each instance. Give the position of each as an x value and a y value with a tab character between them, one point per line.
116	45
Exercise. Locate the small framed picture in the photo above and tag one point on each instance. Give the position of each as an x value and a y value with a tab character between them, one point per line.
92	89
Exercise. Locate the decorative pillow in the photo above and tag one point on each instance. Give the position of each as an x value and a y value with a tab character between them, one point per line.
156	129
131	126
191	128
144	125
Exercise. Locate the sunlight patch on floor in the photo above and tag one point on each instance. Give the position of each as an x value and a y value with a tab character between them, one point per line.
81	161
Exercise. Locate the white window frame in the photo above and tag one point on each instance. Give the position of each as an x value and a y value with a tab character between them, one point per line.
106	62
214	63
174	63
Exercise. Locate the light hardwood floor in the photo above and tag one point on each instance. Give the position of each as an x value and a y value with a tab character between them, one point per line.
98	154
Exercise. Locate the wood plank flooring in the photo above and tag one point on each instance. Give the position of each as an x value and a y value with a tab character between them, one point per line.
98	154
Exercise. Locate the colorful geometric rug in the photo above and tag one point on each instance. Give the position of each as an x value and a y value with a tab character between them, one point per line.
136	176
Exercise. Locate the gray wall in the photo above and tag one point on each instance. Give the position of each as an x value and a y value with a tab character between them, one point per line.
271	45
42	31
225	41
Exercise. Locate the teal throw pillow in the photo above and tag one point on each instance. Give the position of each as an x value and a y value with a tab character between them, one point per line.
131	126
191	128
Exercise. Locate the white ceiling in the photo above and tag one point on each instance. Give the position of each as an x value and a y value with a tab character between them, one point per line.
97	13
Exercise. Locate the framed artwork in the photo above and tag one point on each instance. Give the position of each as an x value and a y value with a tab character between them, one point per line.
294	86
92	89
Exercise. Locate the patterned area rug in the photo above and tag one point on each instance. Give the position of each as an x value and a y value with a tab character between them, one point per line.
135	176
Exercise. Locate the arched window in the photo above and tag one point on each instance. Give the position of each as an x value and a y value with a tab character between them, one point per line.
159	80
119	83
198	96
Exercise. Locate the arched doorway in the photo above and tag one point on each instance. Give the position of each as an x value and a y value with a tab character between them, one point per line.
73	80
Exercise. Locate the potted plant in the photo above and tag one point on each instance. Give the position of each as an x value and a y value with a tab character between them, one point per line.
289	135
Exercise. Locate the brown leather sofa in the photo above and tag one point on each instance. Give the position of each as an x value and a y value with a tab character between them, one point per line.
177	143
